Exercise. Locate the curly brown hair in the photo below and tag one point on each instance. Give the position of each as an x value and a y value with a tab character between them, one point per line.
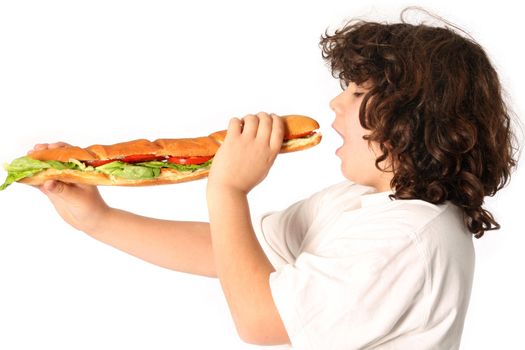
435	108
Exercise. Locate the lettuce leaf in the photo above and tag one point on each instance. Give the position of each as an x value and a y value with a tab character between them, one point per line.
26	163
20	168
24	167
179	167
128	171
19	175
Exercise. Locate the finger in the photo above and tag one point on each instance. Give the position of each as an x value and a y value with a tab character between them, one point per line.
58	189
43	146
58	145
234	128
251	124
53	187
38	147
265	127
276	139
262	114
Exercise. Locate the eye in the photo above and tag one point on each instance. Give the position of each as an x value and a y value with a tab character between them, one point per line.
358	94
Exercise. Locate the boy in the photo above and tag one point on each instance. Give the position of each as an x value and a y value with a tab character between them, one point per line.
383	260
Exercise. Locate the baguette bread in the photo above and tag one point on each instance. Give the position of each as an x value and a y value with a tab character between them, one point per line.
167	176
200	146
299	135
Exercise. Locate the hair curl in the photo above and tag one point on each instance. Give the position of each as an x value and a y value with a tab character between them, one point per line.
435	108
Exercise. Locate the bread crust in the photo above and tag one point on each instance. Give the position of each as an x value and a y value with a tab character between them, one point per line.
122	149
194	147
188	147
167	176
298	125
63	154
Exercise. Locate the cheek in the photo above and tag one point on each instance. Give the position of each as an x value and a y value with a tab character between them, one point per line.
357	153
354	136
353	127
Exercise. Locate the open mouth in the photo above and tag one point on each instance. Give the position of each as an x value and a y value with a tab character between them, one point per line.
340	134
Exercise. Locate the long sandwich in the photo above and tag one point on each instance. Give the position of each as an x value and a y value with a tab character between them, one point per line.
142	162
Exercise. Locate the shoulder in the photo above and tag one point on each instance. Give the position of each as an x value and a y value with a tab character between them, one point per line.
341	191
437	232
394	218
346	186
427	221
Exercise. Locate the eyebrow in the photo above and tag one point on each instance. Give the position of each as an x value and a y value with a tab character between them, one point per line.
365	85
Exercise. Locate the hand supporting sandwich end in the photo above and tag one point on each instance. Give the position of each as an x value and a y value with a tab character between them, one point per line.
79	205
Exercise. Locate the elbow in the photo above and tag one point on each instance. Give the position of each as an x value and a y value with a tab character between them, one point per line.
264	336
263	340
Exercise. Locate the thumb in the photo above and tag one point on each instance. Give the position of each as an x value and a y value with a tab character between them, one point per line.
53	187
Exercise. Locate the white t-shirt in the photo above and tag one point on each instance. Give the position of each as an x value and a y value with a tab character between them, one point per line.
357	270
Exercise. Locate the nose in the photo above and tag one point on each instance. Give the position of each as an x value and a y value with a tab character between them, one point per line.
335	107
335	104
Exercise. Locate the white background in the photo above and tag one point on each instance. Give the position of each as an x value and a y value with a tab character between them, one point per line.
107	71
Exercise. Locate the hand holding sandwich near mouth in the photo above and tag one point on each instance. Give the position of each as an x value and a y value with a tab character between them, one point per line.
141	162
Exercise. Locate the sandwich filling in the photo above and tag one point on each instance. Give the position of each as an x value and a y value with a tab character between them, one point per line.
23	167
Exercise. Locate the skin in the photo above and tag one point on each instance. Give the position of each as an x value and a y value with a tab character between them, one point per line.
357	156
226	247
248	151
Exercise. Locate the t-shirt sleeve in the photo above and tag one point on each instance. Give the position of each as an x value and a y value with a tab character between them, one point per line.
281	233
369	295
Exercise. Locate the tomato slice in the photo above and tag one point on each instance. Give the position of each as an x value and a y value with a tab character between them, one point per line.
305	134
139	158
96	163
189	160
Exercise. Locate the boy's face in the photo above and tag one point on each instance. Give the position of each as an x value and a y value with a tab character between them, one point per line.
358	159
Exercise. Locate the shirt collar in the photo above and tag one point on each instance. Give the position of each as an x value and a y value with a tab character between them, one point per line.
375	198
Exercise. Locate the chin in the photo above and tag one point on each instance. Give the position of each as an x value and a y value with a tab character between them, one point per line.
355	178
349	174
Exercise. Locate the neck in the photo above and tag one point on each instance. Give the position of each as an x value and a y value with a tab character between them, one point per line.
383	182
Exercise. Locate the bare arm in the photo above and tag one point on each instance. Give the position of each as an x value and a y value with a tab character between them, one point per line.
183	246
243	269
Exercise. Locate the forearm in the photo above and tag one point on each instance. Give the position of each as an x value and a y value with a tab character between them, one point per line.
243	270
177	245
